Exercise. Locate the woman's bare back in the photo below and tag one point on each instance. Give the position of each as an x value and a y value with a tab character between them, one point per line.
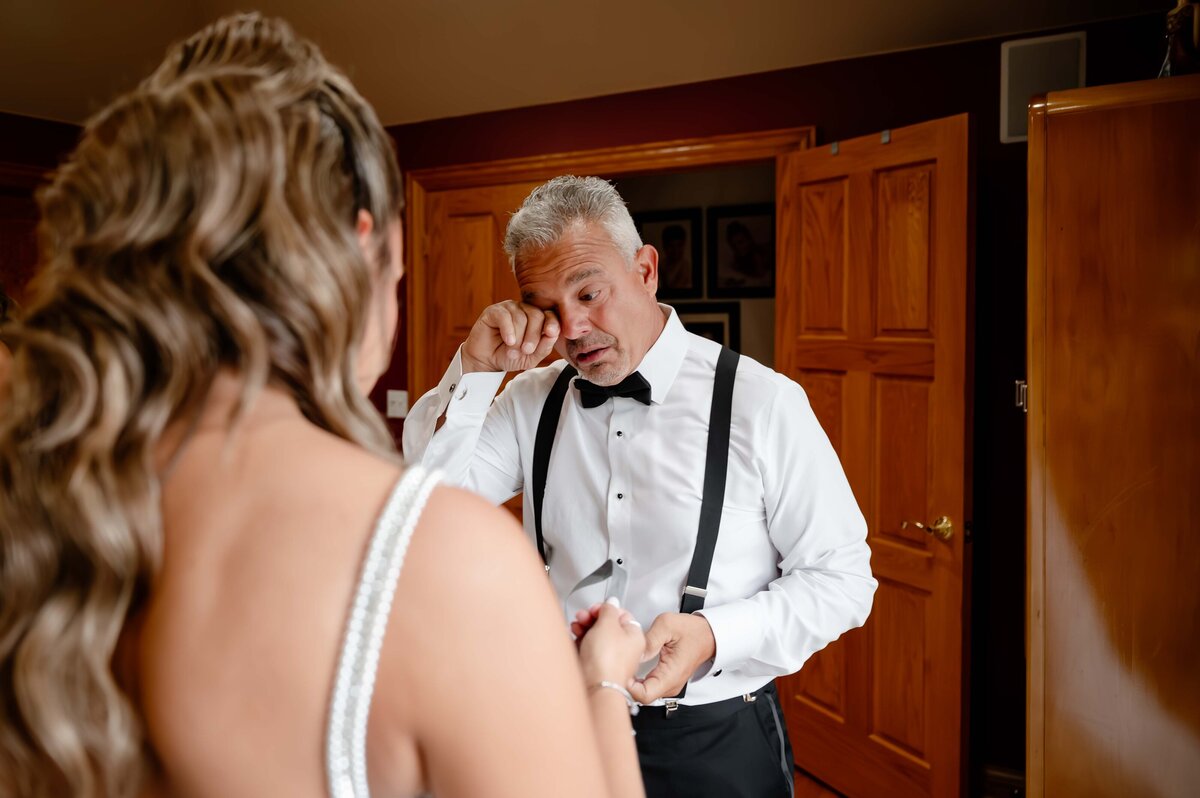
265	531
477	690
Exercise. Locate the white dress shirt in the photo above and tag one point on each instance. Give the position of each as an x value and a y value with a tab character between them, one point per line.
791	570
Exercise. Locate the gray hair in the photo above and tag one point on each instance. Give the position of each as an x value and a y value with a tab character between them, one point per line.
554	207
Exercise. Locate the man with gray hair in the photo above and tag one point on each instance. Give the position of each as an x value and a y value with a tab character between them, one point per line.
660	470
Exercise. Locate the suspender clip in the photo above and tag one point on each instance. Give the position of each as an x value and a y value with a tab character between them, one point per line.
698	592
672	706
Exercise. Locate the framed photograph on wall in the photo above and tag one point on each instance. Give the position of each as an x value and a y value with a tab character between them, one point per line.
741	250
677	237
716	321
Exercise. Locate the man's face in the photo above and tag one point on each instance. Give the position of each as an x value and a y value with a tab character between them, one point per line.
607	310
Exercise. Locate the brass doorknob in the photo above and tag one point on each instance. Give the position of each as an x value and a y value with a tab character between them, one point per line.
941	528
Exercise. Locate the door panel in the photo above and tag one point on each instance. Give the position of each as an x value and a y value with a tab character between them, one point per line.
903	267
872	323
823	258
466	267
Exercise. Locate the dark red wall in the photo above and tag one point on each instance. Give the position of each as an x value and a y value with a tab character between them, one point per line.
846	99
27	147
34	142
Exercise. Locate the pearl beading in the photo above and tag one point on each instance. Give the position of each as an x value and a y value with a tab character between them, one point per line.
354	683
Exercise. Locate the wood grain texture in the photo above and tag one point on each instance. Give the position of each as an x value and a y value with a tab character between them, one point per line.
882	713
822	682
903	467
900	636
823	257
1115	442
1035	572
904	206
808	787
635	159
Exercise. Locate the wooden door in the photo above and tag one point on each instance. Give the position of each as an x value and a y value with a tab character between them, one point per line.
871	319
1114	441
464	270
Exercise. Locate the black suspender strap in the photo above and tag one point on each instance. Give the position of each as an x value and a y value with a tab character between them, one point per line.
716	467
543	444
715	471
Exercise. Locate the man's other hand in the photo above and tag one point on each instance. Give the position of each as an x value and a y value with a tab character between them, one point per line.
682	642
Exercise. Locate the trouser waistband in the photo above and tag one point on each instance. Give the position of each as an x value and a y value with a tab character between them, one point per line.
687	714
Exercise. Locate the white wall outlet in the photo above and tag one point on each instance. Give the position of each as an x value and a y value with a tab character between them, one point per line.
397	404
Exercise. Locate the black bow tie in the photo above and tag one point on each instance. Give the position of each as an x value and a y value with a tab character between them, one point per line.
634	386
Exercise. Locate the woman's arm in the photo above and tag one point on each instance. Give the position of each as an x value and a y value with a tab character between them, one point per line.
479	671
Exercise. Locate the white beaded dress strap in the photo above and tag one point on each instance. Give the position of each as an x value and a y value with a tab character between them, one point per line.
354	682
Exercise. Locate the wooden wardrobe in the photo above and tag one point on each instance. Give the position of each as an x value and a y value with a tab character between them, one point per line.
1114	441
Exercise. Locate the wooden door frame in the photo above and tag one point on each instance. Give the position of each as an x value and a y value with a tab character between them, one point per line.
650	158
1040	110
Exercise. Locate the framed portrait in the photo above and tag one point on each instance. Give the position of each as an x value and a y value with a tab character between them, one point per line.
741	250
676	235
716	321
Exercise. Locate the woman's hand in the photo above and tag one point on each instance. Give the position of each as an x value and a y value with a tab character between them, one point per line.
610	643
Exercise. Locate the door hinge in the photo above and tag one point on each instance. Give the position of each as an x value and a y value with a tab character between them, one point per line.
1022	396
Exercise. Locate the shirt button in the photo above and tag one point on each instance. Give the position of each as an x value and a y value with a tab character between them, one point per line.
718	673
453	385
620	561
619	433
620	495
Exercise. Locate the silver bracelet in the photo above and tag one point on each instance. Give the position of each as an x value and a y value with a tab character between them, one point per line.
606	685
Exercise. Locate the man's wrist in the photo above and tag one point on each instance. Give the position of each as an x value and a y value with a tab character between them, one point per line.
470	365
710	638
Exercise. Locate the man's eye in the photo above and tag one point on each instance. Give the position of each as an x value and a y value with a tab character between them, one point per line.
589	296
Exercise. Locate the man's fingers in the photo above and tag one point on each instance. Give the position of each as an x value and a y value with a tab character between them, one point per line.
519	323
664	679
640	692
657	636
534	322
551	328
501	320
650	689
544	348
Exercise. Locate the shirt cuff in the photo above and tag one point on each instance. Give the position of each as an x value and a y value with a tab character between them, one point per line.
738	629
468	394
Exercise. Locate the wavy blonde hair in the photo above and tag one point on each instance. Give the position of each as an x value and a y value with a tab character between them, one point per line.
205	221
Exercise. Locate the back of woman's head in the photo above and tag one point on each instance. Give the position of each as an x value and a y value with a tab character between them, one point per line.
206	221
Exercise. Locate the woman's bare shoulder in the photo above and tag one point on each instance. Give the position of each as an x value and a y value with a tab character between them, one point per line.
477	633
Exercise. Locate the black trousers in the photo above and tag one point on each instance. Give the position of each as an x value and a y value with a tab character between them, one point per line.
731	749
